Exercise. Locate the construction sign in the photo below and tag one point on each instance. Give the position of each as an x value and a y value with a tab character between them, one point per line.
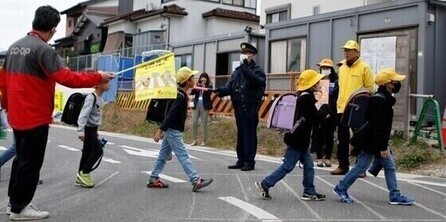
155	79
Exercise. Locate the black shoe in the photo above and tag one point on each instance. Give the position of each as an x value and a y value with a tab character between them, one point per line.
247	168
200	183
315	196
236	166
39	182
374	173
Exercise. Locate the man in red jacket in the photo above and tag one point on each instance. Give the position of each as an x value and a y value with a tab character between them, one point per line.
27	81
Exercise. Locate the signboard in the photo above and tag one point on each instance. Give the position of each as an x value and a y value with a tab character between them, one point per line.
379	52
156	79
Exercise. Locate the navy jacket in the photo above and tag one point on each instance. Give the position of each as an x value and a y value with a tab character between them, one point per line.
207	103
176	116
375	136
247	85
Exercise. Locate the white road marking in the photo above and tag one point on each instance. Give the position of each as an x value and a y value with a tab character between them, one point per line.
416	204
251	209
3	148
106	159
68	148
169	178
427	188
424	182
313	212
145	152
110	143
381	217
107	178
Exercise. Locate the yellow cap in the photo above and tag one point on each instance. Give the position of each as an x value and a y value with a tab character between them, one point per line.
351	44
184	73
326	62
307	79
388	75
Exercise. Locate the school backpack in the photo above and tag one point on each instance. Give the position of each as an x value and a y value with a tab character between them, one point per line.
158	109
73	108
355	113
282	113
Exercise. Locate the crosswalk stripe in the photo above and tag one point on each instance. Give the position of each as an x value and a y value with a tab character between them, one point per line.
251	209
169	178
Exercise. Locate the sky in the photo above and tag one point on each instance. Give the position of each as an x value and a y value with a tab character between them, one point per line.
16	18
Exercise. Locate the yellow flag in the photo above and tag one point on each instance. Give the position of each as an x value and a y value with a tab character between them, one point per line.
155	79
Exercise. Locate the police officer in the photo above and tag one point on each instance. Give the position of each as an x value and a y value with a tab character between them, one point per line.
246	88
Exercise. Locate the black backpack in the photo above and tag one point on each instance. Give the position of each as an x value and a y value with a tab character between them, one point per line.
73	108
158	109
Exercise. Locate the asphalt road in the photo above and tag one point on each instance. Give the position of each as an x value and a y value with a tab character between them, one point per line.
120	193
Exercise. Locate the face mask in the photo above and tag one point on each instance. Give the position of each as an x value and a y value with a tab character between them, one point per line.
396	87
326	71
242	57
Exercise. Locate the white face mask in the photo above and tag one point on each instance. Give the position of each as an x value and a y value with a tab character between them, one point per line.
242	57
326	71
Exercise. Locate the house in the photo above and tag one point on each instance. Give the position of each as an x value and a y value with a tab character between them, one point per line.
84	33
204	35
404	34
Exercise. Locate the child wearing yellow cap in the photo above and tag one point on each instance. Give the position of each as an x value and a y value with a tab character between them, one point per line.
298	140
373	141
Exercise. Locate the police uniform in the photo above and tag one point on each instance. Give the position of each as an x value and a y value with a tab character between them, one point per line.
246	88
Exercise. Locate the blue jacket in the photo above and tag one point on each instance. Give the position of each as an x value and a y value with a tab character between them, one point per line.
247	85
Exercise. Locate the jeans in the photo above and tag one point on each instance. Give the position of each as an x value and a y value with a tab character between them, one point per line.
173	141
8	153
25	171
200	111
364	160
291	157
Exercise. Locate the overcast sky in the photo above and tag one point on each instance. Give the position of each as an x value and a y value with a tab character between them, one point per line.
16	18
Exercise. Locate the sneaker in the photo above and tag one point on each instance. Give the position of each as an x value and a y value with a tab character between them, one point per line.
327	163
39	182
203	143
84	180
374	173
156	183
343	196
319	163
200	183
8	209
315	196
401	200
194	143
263	191
30	212
362	175
338	171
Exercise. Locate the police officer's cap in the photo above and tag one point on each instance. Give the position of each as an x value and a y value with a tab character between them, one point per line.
246	47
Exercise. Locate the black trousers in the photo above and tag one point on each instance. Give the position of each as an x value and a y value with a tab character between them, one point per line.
343	144
25	171
322	138
91	151
247	120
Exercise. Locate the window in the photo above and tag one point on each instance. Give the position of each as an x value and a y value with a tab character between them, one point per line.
243	3
164	1
288	55
70	23
277	17
183	60
316	10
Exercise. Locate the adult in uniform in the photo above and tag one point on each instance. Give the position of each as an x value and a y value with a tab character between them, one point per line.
246	88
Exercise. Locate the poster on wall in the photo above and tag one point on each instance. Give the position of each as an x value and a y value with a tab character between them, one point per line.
379	52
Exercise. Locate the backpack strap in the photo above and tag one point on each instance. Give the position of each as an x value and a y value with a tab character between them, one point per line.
380	95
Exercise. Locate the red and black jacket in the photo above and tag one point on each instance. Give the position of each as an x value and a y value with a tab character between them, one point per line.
28	79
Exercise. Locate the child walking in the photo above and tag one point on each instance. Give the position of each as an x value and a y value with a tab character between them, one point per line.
90	118
373	141
298	140
171	131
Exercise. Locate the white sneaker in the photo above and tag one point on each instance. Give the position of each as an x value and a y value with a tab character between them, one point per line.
30	212
8	209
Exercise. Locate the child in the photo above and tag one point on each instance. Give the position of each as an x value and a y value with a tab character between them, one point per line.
90	118
374	140
298	141
171	131
325	126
